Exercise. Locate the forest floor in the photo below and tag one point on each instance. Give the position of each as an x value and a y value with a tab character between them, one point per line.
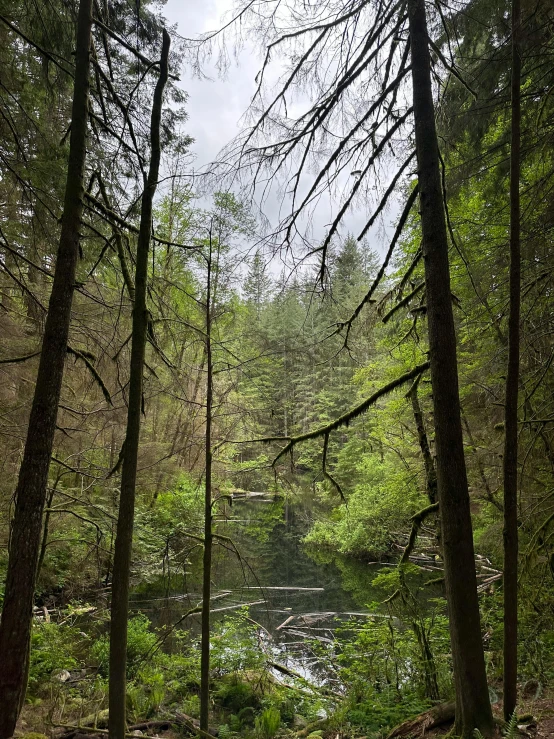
542	723
537	722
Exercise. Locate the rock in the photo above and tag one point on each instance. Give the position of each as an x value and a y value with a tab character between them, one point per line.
62	676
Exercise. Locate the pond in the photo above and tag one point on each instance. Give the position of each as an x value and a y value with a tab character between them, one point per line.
296	593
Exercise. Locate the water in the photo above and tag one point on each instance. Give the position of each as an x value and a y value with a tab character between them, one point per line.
296	593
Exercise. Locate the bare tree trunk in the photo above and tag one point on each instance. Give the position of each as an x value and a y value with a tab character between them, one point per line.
473	708
208	533
15	625
124	535
430	473
46	526
512	384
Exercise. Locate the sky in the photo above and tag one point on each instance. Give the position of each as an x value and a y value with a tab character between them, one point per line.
217	105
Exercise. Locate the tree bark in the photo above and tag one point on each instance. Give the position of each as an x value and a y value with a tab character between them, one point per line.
430	473
436	716
512	384
30	495
124	535
473	708
208	533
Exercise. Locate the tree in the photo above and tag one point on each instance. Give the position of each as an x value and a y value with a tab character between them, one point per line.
257	284
354	135
473	709
208	495
15	626
227	220
348	268
124	537
510	465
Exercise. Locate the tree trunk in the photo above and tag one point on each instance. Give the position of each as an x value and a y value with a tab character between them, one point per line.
124	535
208	534
430	473
473	708
15	625
512	383
436	716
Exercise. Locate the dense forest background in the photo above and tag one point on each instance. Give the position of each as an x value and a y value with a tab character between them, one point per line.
200	401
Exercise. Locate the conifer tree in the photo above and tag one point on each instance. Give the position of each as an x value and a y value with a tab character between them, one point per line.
30	496
257	284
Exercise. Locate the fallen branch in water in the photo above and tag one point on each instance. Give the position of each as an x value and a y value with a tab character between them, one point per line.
297	676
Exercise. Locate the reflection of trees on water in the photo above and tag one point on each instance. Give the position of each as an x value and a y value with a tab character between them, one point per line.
269	536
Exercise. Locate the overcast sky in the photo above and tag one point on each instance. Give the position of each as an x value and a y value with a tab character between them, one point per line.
216	107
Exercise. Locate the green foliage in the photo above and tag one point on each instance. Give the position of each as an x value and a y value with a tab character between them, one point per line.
225	731
381	710
235	695
382	502
140	642
511	730
268	723
235	646
54	647
146	694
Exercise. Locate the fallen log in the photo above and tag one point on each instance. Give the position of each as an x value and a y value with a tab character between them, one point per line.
436	716
288	620
194	725
179	719
307	730
284	670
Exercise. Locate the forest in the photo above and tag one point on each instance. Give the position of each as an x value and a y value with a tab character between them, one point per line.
278	427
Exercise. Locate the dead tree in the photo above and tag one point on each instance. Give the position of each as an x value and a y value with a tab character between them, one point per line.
124	536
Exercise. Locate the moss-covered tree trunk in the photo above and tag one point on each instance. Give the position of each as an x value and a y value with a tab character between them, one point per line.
473	708
512	384
30	495
125	519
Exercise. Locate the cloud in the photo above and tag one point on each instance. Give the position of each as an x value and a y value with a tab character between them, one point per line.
217	106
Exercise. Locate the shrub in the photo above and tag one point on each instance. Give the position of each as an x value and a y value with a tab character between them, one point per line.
54	647
140	641
235	695
267	724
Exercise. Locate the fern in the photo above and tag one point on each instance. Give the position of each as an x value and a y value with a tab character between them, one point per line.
268	723
511	729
